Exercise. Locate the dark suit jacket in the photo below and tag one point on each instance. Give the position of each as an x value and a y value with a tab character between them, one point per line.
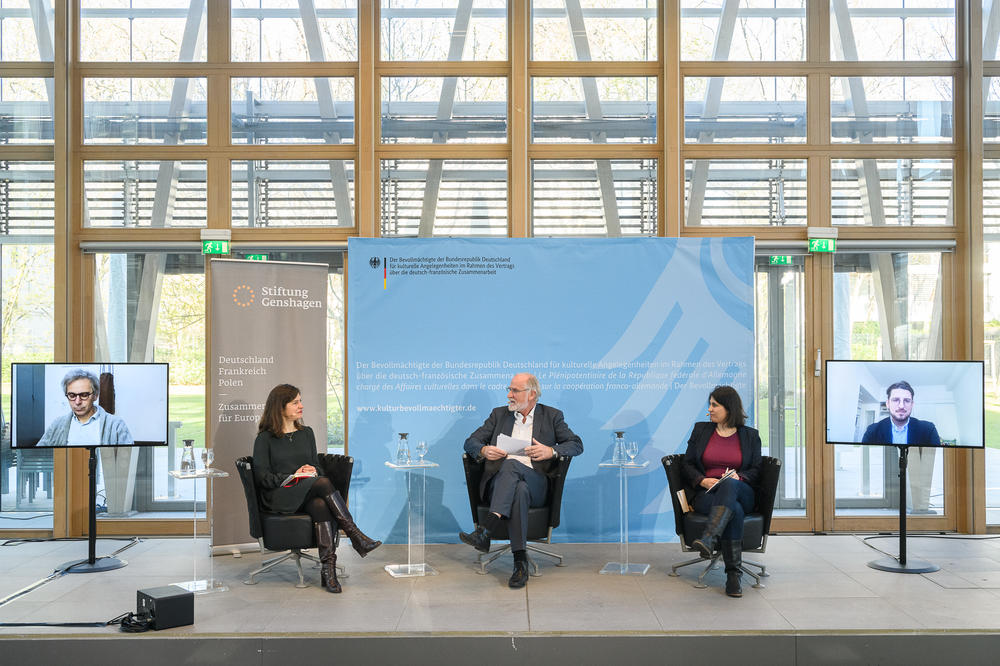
919	433
749	469
548	427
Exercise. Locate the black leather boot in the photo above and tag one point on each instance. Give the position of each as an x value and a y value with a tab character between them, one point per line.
327	557
732	555
362	544
717	521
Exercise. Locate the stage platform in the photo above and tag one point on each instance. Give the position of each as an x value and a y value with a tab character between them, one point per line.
821	605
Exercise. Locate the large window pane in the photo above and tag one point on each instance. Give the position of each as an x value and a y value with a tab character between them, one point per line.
593	197
25	110
277	31
617	109
144	111
904	192
892	30
757	30
745	192
27	301
991	333
27	199
133	193
142	30
151	307
293	193
317	110
991	109
781	404
23	37
444	197
896	109
444	29
747	109
453	109
585	30
868	326
991	29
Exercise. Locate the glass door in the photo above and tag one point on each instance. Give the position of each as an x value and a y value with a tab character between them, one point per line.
887	306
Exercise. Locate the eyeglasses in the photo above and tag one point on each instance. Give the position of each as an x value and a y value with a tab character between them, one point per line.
511	389
81	396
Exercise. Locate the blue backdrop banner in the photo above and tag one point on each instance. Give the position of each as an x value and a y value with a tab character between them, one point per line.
623	334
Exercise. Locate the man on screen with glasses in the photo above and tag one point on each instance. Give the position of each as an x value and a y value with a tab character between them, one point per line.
87	424
516	479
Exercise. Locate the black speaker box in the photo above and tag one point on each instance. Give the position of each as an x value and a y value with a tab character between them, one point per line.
167	606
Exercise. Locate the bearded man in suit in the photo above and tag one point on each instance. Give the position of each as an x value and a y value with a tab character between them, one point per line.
515	481
899	427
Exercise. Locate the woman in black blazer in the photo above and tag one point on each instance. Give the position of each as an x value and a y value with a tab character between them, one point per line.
722	463
286	466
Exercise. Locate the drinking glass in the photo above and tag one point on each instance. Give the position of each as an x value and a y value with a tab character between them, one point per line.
631	449
207	457
421	450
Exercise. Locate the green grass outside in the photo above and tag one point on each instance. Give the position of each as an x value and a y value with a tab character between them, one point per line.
187	405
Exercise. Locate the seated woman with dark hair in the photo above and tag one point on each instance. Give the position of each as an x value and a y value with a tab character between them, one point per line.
724	447
286	466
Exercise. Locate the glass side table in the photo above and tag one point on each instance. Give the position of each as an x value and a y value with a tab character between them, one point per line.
204	585
416	474
623	567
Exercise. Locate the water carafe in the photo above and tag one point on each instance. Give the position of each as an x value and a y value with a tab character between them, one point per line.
187	458
402	449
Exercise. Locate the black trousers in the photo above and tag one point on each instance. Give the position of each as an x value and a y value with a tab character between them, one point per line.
511	492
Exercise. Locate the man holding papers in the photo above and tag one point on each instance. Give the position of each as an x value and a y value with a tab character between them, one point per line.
519	442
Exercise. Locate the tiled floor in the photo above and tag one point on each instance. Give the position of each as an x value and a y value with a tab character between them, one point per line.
816	583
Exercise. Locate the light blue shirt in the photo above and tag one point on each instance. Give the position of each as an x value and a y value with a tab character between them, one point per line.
88	432
899	434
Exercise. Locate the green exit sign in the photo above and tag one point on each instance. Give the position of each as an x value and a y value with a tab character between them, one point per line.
781	260
215	247
822	244
256	257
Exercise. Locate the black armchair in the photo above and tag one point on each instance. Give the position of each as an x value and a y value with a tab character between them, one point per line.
541	520
292	532
756	525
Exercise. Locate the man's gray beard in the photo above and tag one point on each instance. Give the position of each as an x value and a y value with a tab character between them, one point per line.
511	406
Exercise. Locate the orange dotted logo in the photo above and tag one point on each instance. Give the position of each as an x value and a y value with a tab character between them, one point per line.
243	296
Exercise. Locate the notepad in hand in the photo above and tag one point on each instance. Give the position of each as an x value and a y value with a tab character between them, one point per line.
294	478
730	474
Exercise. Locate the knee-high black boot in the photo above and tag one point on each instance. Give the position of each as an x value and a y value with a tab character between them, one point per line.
718	518
732	555
362	544
327	557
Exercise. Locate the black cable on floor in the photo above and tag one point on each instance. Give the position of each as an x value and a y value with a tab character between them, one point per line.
130	623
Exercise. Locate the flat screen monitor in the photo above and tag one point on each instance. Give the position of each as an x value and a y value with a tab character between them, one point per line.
913	403
58	405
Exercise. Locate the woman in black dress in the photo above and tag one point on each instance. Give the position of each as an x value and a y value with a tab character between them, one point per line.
286	466
722	464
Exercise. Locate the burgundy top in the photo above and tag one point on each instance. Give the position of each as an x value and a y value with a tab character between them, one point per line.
720	453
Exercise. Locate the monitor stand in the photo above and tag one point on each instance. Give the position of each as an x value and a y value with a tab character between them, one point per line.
92	564
901	565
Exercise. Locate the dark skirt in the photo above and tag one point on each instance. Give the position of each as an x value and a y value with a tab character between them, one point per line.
289	500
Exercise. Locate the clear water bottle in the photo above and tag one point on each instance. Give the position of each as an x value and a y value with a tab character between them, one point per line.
187	458
618	454
402	449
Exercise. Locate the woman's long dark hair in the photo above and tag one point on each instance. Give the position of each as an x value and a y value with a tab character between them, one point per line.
730	400
272	420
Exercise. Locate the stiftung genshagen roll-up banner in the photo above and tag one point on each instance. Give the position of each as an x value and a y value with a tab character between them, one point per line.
268	328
